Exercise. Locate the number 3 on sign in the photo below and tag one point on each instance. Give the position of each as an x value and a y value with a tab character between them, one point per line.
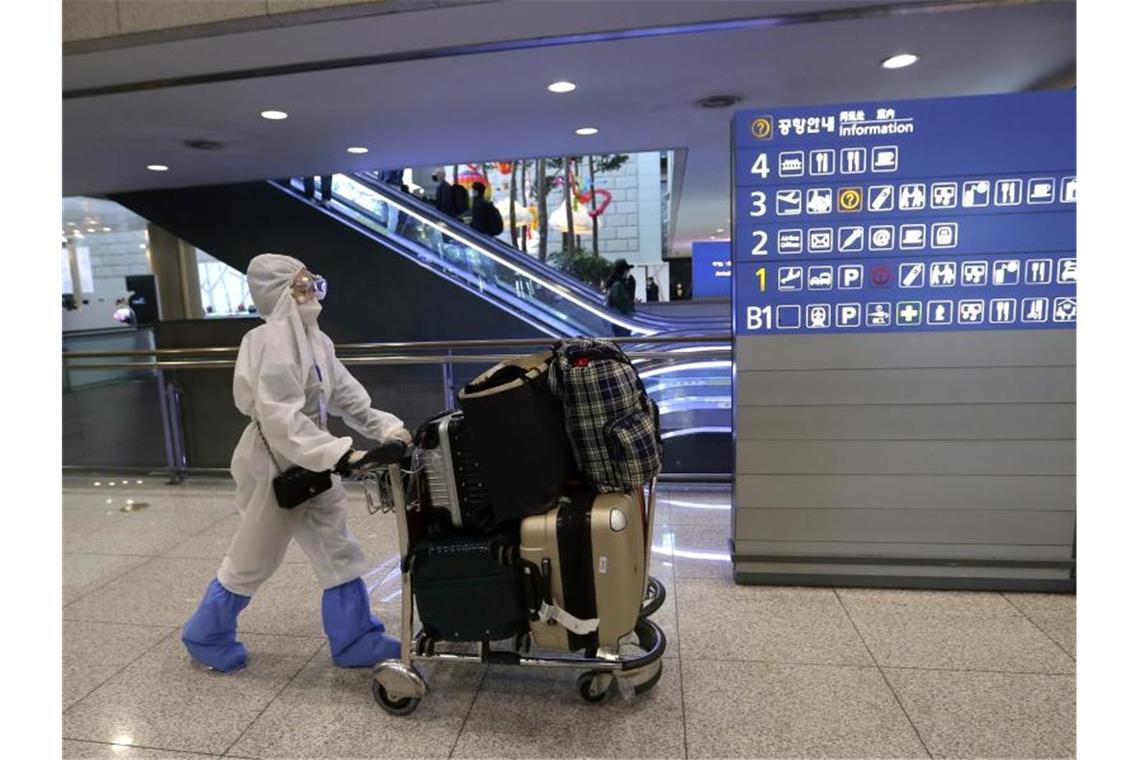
759	203
760	165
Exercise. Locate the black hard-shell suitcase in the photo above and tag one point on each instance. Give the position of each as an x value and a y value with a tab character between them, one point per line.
455	491
517	427
468	588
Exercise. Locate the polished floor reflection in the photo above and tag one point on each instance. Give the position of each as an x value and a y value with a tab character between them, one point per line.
750	671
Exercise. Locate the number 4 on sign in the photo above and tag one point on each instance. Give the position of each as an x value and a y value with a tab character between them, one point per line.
762	278
760	165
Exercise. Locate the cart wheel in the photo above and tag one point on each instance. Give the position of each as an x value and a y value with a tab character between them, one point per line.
393	706
654	597
587	687
644	687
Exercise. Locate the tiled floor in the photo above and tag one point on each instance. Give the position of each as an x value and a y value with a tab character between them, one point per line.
750	671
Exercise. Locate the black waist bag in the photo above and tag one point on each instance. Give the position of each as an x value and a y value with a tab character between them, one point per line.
519	434
468	588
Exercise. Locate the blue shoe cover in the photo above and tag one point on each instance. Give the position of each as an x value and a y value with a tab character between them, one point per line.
210	635
356	637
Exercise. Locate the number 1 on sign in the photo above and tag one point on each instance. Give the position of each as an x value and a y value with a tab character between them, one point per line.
762	278
760	165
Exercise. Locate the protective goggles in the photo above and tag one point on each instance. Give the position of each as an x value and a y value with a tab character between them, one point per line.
307	286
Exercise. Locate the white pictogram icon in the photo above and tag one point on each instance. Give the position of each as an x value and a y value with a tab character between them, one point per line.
789	202
848	315
1003	310
943	274
821	162
975	193
975	273
790	278
912	236
912	275
792	163
1034	309
1006	272
908	313
881	197
971	312
1066	271
1041	190
882	237
788	316
850	276
850	239
912	197
818	316
1007	192
820	240
790	241
821	278
884	158
1038	271
819	200
944	195
1068	190
878	314
1065	309
853	160
939	312
944	235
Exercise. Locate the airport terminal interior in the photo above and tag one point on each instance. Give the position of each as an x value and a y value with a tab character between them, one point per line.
575	379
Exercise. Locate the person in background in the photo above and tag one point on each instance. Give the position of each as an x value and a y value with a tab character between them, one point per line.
326	188
652	294
394	178
444	198
485	217
619	297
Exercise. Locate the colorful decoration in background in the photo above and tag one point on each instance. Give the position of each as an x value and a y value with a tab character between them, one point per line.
504	167
471	175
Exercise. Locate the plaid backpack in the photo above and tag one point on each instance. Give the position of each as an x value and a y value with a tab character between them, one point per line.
613	425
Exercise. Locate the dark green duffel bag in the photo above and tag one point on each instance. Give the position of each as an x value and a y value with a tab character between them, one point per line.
467	587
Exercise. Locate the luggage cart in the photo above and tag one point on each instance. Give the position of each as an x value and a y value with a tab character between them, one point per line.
398	686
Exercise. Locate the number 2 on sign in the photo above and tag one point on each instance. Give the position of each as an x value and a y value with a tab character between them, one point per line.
761	247
762	278
759	203
760	165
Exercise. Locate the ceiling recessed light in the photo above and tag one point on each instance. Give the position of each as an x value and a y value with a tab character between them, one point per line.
586	131
142	245
274	115
720	229
358	149
561	87
900	61
106	229
158	167
90	229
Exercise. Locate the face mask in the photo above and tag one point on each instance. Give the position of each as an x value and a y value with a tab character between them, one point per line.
309	310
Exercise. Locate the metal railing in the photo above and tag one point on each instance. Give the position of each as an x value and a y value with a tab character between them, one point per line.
659	356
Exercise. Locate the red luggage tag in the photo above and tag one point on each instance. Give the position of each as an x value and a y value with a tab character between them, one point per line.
580	361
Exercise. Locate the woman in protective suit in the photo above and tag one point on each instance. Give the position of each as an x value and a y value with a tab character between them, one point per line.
287	380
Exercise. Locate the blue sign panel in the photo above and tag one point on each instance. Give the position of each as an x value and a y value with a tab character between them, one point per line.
712	269
939	214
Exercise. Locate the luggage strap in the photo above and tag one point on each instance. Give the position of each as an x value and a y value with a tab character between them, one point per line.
548	612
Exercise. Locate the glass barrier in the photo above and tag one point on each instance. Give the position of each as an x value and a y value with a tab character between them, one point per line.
553	308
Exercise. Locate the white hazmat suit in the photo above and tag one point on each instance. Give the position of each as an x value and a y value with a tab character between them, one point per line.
289	379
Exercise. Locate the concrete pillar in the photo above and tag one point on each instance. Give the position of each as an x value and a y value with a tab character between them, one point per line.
175	266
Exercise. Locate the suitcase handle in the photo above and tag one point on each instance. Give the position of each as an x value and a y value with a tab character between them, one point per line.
533	589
